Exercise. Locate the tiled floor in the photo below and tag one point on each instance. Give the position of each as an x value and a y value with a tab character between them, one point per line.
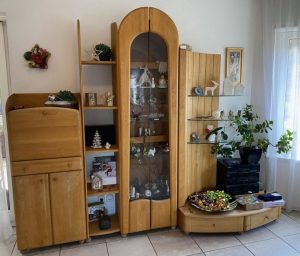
280	238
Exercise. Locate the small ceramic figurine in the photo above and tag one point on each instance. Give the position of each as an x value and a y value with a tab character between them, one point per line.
198	91
109	99
96	140
222	114
133	81
211	88
148	193
152	83
216	114
195	137
162	83
96	180
107	145
230	115
151	152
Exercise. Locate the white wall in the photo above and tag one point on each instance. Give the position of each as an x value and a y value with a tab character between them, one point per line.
208	25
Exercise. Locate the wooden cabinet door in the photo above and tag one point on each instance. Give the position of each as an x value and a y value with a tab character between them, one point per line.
32	209
68	206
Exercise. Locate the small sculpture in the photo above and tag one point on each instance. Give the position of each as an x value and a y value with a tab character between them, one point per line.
222	114
195	137
211	137
152	83
216	114
151	152
230	115
198	91
96	182
239	89
109	99
96	140
148	193
145	80
162	83
133	81
228	88
211	88
107	145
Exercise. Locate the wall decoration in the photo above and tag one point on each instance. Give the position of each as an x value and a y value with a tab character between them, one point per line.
234	64
37	57
239	89
228	87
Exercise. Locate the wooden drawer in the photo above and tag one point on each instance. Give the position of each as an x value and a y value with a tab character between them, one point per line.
210	225
160	213
44	132
46	166
262	218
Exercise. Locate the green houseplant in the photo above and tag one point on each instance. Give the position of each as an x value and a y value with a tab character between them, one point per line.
250	137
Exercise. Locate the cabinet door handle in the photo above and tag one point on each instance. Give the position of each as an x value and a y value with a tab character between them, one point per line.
266	217
44	113
54	179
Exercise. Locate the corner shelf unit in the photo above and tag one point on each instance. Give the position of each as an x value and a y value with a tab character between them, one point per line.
93	227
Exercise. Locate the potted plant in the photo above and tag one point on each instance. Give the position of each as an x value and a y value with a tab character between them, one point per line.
250	138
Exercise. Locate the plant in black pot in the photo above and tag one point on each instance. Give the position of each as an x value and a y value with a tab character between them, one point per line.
249	138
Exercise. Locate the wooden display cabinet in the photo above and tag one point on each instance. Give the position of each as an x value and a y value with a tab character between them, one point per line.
148	120
100	112
197	166
45	146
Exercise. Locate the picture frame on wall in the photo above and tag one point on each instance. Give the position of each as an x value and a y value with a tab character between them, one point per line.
234	64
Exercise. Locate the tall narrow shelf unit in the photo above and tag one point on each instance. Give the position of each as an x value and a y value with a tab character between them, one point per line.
197	166
149	39
97	110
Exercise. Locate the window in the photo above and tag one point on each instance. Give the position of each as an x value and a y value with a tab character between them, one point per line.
287	83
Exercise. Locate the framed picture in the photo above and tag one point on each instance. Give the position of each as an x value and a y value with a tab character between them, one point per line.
91	99
234	64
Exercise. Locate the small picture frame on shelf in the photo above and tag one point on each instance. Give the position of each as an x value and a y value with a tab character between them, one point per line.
234	64
91	99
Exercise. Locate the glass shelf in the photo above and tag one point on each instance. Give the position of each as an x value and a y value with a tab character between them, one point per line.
206	142
207	119
214	96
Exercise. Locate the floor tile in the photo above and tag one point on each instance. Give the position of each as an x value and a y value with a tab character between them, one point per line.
295	215
209	242
4	250
171	243
294	241
231	251
284	226
47	251
255	235
92	250
274	247
94	240
133	246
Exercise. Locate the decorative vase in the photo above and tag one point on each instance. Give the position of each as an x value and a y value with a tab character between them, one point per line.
250	155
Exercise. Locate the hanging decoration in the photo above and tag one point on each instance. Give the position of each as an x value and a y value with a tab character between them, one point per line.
37	57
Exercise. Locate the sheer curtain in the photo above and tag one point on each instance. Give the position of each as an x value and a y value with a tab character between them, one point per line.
281	53
5	227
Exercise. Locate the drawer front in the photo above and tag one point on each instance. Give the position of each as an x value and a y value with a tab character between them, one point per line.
234	224
46	166
265	217
160	213
139	215
39	133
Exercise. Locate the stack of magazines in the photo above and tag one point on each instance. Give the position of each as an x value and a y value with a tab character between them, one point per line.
271	200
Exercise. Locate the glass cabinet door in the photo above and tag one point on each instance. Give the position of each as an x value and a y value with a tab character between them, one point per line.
149	126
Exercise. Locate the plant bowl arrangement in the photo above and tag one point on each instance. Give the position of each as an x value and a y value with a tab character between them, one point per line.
250	137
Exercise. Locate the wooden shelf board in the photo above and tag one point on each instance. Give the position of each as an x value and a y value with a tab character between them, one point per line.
113	148
147	139
103	107
95	231
114	189
95	62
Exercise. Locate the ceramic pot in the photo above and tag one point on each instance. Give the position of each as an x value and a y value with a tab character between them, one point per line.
250	155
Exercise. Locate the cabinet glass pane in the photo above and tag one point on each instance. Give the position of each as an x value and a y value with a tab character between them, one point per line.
149	126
